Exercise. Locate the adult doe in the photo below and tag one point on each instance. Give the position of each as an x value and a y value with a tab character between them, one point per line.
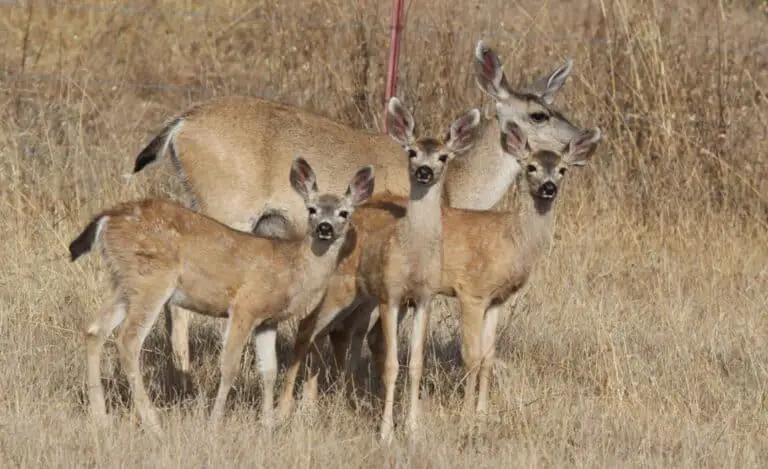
161	253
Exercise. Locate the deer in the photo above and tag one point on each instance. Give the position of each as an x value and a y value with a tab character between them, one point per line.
492	256
159	252
395	263
248	142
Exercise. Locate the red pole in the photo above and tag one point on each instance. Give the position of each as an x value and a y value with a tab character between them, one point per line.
394	54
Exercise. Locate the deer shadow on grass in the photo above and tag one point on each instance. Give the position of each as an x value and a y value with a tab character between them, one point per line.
171	387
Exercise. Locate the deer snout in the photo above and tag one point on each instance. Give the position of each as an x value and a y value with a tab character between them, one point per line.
424	174
324	230
548	190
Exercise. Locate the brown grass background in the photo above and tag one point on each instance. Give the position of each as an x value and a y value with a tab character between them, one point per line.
642	341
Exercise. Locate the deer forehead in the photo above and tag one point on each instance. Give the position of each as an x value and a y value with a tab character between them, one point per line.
329	203
548	160
428	145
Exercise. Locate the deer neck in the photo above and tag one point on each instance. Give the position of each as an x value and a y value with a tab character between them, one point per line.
319	258
423	220
481	177
532	229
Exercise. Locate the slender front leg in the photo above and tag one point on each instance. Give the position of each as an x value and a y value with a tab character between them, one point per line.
416	361
177	323
489	354
265	342
301	346
472	314
389	366
350	334
239	326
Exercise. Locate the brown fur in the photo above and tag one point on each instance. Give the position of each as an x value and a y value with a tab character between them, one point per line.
159	252
393	263
492	255
231	152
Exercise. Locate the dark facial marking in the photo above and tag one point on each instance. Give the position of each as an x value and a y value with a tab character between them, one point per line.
548	159
429	145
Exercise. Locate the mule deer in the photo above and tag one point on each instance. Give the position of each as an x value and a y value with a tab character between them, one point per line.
230	152
394	262
161	253
493	253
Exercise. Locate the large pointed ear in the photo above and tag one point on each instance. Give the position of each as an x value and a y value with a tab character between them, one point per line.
303	178
462	135
513	140
489	74
361	187
547	86
582	146
400	123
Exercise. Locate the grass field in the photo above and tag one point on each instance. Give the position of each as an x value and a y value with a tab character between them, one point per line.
643	341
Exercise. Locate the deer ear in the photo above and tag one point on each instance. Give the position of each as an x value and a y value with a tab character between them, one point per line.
462	133
303	178
513	139
400	123
489	73
547	86
361	187
582	146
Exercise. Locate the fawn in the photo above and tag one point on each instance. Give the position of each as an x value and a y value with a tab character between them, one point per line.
393	262
159	253
403	264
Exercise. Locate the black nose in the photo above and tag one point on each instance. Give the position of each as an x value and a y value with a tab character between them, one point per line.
548	190
424	174
324	230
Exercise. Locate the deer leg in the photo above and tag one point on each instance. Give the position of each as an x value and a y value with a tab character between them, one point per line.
350	336
416	361
265	342
309	391
143	311
301	346
375	336
239	327
111	315
177	323
389	364
488	355
472	314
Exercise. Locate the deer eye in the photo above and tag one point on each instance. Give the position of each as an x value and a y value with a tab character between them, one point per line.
562	171
443	158
343	214
539	116
411	153
312	210
531	168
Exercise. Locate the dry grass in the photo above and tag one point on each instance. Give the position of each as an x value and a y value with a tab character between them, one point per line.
642	341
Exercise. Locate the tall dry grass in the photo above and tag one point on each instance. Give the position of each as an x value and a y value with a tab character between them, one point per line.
642	341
